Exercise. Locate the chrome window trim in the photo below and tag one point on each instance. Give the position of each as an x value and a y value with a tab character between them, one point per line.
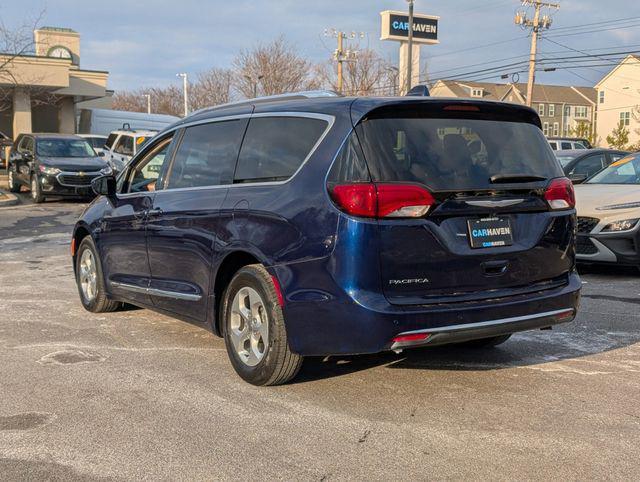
310	115
156	292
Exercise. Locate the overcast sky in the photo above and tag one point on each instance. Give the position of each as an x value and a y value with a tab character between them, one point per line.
145	43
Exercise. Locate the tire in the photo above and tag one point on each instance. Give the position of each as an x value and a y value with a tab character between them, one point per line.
257	362
14	185
487	342
36	189
95	300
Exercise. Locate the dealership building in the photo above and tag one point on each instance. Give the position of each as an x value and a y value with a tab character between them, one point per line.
41	92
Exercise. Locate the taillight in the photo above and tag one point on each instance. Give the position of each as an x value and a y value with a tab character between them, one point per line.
559	194
356	199
382	200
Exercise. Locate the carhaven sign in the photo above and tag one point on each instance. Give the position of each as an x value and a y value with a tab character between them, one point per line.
395	26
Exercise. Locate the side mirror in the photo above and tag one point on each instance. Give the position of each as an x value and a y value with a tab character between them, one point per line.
101	154
104	186
27	156
578	178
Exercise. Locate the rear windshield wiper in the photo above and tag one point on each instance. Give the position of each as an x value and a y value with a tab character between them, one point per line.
507	178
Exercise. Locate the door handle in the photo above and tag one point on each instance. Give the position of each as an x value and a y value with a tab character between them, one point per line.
154	212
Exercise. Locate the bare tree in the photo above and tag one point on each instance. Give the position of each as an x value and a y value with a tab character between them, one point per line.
273	68
213	87
167	100
366	73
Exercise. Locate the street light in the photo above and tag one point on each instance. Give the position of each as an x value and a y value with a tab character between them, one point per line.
254	83
148	96
184	93
410	47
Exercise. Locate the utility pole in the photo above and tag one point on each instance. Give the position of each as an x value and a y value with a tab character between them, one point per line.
409	47
535	25
148	96
341	55
184	92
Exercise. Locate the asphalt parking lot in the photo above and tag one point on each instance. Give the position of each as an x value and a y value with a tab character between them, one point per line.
134	394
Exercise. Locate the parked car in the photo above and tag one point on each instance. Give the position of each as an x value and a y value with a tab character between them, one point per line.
578	165
568	143
104	121
54	165
96	141
123	144
608	206
5	141
307	225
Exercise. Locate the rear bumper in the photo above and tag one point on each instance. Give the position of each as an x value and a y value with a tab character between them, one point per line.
482	329
327	320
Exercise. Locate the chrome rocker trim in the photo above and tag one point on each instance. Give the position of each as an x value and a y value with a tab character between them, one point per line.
156	292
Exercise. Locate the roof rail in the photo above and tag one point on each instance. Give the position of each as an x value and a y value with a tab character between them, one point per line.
307	94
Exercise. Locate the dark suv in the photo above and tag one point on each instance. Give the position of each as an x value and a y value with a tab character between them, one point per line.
324	225
54	165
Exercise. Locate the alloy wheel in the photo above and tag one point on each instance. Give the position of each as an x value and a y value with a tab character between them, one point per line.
249	326
88	275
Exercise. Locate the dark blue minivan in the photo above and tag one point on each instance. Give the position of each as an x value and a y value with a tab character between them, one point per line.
313	224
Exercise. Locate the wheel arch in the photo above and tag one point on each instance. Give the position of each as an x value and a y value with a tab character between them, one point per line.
232	262
80	232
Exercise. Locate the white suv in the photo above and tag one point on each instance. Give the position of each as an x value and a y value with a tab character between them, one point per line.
123	144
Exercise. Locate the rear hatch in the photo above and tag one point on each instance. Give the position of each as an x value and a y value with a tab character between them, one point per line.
490	229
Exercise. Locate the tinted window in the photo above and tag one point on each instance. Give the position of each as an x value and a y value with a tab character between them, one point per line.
588	166
454	153
207	155
566	145
26	145
275	147
97	142
125	146
110	140
349	165
554	146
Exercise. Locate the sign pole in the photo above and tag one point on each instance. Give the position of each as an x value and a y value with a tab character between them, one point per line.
410	47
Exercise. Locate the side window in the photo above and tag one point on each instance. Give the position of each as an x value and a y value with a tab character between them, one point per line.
124	146
616	157
26	145
146	172
207	154
110	140
566	145
589	165
349	165
553	145
275	147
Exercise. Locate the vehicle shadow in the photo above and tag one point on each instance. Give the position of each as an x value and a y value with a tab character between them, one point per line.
570	342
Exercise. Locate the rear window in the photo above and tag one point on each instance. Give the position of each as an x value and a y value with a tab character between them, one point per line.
454	153
275	147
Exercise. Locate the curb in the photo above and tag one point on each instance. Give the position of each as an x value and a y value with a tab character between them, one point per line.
8	199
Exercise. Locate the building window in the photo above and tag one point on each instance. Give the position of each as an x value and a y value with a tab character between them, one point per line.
541	110
625	118
552	110
601	97
477	92
556	129
567	111
545	128
581	111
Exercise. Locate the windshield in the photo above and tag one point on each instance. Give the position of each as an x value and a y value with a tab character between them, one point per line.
624	171
454	153
64	148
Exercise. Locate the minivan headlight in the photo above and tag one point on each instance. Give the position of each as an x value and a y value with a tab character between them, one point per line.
51	171
106	171
623	225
